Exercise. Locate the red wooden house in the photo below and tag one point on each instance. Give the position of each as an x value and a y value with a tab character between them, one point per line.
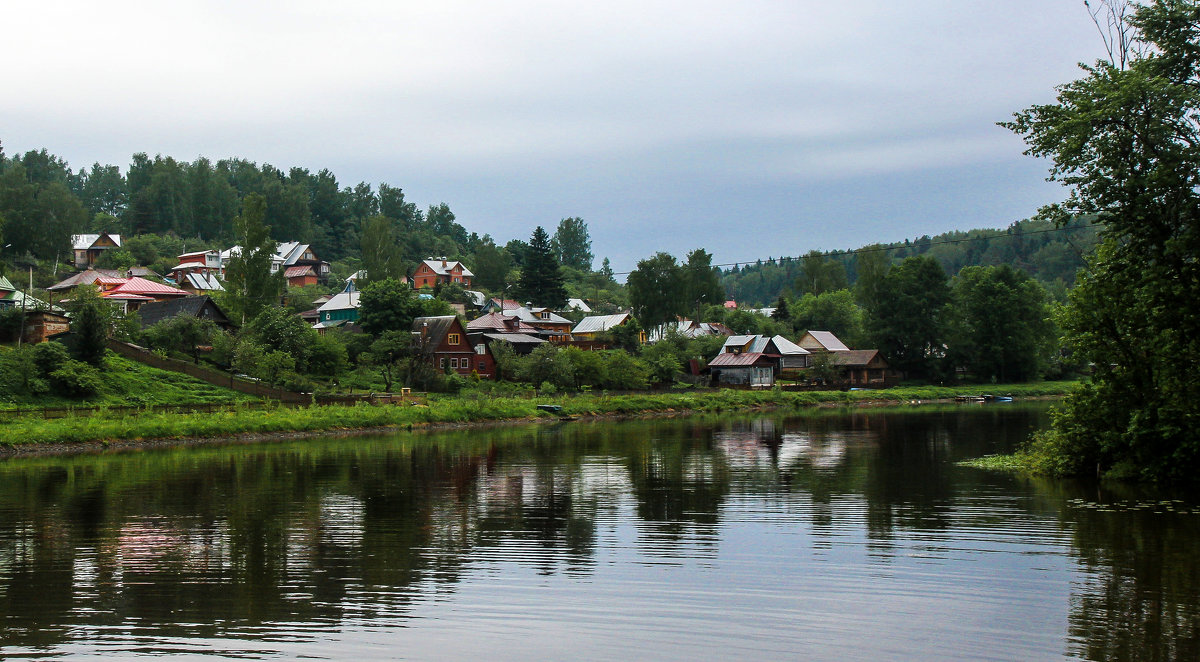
443	340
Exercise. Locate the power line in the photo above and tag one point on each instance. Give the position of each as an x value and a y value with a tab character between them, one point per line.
877	249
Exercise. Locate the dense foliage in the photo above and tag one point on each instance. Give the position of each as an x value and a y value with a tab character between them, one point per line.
1126	139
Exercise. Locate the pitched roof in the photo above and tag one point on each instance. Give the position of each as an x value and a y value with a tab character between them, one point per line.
298	271
436	327
786	347
82	242
829	341
578	304
138	285
598	323
498	322
6	284
204	282
86	277
194	306
514	338
853	357
729	360
442	266
342	301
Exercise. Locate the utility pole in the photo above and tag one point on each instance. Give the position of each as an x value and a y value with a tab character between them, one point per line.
24	299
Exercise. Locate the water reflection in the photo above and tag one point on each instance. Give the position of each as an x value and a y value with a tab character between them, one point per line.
262	550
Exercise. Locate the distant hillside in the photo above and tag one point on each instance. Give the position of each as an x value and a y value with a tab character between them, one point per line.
1049	254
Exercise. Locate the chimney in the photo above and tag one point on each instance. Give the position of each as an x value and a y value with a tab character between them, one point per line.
443	263
424	330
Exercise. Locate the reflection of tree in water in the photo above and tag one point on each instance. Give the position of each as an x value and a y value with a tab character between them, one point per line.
1139	597
679	484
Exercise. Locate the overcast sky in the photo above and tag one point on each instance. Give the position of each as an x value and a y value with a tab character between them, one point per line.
751	129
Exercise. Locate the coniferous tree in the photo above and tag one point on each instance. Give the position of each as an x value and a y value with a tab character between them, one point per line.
541	281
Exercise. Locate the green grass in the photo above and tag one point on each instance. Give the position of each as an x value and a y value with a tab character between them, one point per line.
1015	463
467	407
129	383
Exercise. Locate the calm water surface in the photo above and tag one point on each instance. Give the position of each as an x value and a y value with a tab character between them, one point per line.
833	536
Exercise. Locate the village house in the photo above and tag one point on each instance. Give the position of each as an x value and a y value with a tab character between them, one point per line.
443	341
88	248
437	270
200	307
788	356
288	254
821	341
862	368
590	327
499	305
687	329
129	294
743	369
198	272
339	310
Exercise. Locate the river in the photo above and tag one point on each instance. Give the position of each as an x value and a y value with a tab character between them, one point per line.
835	535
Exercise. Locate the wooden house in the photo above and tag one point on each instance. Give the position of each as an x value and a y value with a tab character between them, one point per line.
821	341
339	310
444	342
300	275
863	367
440	270
589	327
786	354
201	307
744	370
88	248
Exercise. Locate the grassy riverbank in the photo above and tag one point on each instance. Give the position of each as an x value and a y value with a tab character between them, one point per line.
467	407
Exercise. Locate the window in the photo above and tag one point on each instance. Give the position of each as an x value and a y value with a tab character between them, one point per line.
453	338
482	366
443	363
481	348
454	362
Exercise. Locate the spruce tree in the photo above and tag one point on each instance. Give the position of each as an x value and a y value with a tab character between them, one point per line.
541	281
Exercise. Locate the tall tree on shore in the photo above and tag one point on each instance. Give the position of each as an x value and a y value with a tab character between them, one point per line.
1125	139
701	282
249	283
1004	324
541	279
381	255
572	245
910	320
656	290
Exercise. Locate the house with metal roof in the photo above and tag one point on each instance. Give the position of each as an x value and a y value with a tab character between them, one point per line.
822	341
788	355
88	248
436	270
497	323
579	305
340	310
687	329
199	283
746	370
287	254
589	327
11	297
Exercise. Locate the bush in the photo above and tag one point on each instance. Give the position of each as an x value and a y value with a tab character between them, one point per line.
76	379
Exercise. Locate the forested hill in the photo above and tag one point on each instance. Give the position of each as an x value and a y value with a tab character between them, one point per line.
198	200
1049	254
